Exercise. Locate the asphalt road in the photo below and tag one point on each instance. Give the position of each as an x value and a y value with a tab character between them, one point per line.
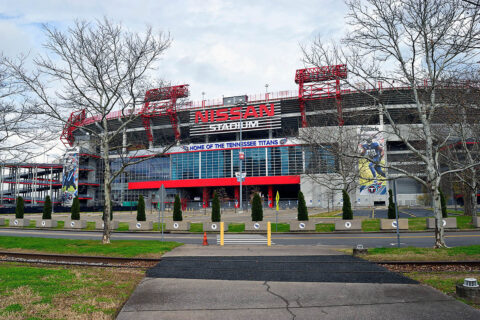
322	268
347	240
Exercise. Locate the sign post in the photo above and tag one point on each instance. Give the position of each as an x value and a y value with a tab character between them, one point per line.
396	210
277	199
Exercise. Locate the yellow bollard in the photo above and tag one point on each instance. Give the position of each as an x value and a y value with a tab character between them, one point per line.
221	233
269	234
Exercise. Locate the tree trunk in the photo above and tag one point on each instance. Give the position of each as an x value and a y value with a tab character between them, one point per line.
467	201
107	192
437	210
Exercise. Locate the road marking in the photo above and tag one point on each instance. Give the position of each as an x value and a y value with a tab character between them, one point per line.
410	214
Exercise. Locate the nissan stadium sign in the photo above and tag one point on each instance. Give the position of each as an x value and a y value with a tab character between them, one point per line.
227	119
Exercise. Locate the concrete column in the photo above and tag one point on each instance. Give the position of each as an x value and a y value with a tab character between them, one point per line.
205	197
270	196
237	196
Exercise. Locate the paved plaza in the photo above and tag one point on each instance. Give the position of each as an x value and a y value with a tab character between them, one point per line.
282	282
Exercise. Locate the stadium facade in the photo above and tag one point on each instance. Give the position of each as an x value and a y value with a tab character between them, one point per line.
212	138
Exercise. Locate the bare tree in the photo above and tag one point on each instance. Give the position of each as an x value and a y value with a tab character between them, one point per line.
22	134
465	151
415	45
327	163
97	68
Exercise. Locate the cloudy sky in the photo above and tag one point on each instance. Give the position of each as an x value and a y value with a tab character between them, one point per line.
219	47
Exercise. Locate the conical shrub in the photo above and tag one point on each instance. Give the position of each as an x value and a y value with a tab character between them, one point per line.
141	209
75	213
391	205
177	209
257	210
19	209
302	214
215	208
47	209
347	213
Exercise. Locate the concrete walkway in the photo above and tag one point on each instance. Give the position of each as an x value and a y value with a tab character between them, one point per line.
282	282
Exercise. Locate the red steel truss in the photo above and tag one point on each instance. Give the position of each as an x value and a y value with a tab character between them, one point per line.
323	82
160	102
75	120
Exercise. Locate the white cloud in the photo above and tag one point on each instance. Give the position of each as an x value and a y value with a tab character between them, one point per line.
220	47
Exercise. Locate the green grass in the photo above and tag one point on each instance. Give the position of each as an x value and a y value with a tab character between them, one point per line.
281	227
60	225
464	222
327	214
371	225
417	223
122	226
455	211
236	227
444	281
325	227
118	248
90	225
157	226
196	227
413	253
29	292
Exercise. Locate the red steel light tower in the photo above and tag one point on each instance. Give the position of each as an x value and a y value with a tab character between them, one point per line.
320	83
163	101
75	120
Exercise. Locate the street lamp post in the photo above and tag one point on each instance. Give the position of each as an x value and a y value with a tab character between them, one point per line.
51	182
241	162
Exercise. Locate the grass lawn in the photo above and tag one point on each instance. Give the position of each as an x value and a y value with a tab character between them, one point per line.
325	227
118	248
157	226
196	227
326	214
236	227
122	226
419	254
464	222
31	292
444	281
371	225
417	223
90	225
281	227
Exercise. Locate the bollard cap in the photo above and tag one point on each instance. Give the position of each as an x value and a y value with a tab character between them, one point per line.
470	283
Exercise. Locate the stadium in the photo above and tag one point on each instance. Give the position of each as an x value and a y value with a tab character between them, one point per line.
210	140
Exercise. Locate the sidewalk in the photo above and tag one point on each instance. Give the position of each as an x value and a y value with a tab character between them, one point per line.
282	282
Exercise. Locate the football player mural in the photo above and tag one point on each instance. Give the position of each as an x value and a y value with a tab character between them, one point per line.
70	178
372	174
